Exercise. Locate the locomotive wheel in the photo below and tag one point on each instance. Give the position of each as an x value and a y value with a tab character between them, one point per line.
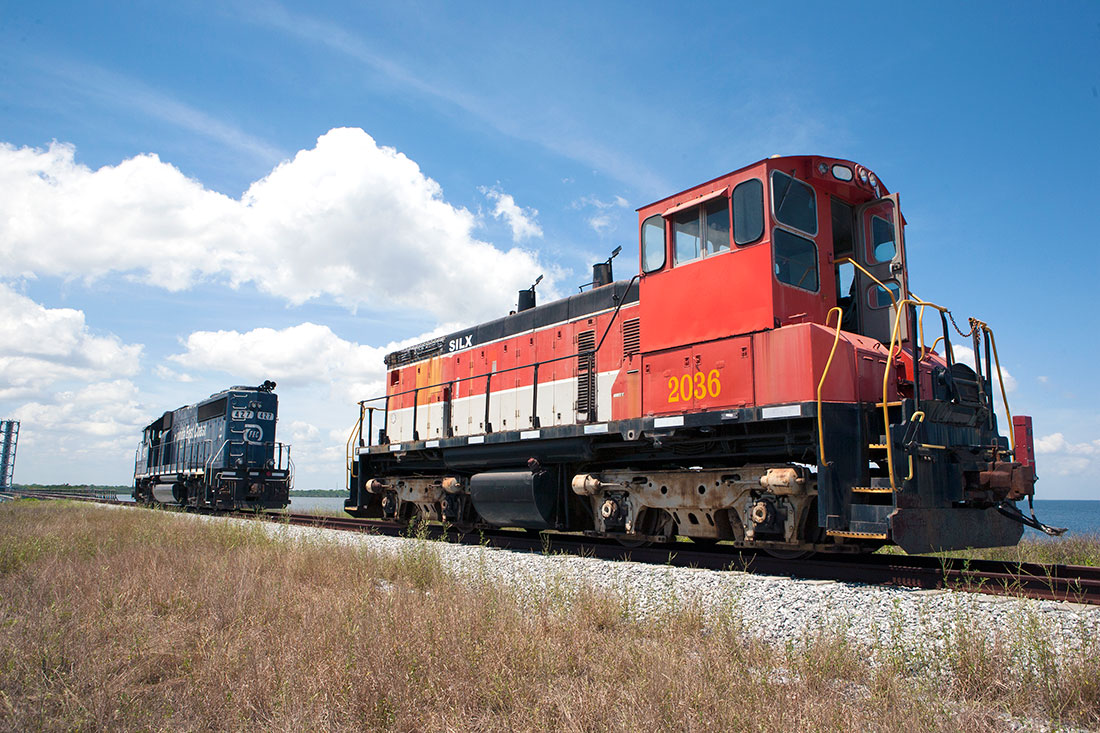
652	522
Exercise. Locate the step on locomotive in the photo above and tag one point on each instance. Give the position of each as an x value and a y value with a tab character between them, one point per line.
768	379
218	454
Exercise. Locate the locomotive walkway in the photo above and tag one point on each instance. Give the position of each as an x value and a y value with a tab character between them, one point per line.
1072	583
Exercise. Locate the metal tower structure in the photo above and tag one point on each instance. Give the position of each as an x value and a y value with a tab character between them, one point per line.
9	437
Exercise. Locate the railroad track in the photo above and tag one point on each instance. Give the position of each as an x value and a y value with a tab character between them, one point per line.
1072	583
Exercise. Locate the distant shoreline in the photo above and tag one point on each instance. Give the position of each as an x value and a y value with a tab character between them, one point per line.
76	488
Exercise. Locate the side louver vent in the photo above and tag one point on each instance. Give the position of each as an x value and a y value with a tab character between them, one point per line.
586	367
631	336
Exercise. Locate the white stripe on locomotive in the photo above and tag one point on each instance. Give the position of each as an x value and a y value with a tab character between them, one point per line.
509	409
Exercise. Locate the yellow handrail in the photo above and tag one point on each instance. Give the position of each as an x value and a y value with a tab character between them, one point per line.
919	417
882	285
916	375
886	379
1001	381
348	449
820	384
864	270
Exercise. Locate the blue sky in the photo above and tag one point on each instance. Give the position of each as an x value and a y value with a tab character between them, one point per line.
199	194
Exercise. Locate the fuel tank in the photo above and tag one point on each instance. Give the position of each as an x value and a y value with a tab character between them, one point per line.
526	499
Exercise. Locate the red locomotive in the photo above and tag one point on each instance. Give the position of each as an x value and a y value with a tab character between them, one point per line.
754	383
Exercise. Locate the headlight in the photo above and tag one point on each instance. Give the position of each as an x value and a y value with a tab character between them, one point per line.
842	172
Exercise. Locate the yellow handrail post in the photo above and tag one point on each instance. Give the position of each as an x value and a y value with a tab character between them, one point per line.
821	383
348	449
1001	381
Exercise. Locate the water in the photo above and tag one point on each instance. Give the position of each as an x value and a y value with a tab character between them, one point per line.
306	504
1081	517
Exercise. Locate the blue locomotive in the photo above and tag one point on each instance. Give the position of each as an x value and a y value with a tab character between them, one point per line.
220	453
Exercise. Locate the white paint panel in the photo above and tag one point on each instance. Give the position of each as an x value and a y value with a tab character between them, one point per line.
668	422
468	412
784	411
547	414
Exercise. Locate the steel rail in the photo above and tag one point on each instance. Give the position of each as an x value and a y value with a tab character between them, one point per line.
1070	583
1073	583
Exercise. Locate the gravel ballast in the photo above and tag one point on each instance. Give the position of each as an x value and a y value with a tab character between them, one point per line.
899	622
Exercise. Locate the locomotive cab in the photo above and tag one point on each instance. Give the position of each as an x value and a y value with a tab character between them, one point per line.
777	243
751	282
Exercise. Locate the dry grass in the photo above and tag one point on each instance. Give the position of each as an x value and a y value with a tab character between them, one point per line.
140	620
1074	549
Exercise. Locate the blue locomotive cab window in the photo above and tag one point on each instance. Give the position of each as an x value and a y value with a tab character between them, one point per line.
795	260
748	211
793	203
213	409
653	243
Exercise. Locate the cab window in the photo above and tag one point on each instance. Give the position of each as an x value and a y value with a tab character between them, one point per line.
701	231
653	243
748	211
795	259
884	297
883	248
793	203
685	235
717	218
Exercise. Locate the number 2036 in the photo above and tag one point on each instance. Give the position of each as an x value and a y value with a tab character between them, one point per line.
697	385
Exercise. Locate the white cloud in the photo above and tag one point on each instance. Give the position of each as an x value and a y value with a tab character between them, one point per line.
165	374
97	419
521	220
40	347
301	432
1043	380
1062	457
320	377
606	212
1057	443
70	390
304	355
965	354
349	219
